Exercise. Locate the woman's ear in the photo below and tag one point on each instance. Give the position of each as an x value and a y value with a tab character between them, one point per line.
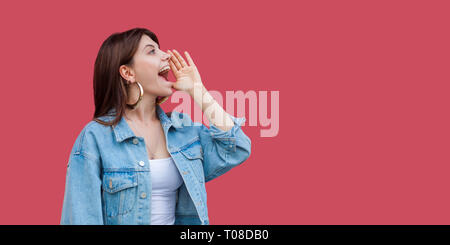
126	73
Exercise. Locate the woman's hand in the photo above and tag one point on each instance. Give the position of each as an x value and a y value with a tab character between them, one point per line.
188	79
186	74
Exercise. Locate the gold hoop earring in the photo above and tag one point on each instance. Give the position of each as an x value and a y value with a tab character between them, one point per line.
141	94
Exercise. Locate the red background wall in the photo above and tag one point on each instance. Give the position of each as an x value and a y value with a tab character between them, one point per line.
364	104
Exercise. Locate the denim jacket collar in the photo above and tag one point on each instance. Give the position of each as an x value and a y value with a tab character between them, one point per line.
122	130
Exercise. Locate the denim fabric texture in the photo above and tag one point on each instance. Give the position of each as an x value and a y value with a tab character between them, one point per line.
108	179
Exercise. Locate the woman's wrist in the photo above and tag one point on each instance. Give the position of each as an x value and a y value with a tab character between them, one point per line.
211	108
199	94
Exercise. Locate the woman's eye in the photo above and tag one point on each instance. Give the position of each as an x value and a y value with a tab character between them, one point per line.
152	51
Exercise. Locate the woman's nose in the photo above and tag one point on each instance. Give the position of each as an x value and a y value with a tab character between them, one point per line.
167	56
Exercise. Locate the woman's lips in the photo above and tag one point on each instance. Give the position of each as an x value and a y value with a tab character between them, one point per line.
165	75
165	79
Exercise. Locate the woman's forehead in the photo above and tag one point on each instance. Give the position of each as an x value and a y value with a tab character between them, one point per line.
147	41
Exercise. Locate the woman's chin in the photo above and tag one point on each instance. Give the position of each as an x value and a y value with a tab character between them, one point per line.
170	91
167	92
166	86
165	82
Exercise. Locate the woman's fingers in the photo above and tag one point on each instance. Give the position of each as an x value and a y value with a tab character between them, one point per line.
188	57
180	58
173	68
174	59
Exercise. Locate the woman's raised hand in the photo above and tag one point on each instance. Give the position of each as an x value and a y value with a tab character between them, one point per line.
186	74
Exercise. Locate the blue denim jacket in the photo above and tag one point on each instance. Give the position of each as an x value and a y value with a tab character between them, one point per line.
108	177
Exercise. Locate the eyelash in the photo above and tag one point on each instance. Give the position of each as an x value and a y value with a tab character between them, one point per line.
152	50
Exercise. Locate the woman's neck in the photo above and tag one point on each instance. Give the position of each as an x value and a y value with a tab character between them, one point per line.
144	113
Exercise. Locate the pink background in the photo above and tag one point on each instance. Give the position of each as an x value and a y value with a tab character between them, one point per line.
364	104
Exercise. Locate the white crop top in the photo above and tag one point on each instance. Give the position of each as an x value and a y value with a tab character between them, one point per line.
166	180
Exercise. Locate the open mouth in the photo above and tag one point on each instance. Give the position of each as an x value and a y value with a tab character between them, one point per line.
164	73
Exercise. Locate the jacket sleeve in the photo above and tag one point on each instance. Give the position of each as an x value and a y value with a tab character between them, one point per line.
223	150
82	203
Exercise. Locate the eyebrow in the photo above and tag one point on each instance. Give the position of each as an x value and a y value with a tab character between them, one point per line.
148	45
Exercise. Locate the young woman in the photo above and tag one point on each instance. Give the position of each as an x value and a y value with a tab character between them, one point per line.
134	163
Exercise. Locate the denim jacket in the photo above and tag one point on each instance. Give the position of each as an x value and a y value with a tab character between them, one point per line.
108	179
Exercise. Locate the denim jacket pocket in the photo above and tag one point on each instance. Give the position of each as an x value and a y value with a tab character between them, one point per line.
119	191
194	154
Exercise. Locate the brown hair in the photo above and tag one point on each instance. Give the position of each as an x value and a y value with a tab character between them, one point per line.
109	89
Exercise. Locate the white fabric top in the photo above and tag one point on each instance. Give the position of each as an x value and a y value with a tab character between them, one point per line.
166	180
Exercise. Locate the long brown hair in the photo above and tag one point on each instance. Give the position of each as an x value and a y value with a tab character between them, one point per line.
109	87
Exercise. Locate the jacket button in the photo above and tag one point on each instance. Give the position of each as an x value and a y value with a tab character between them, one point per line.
135	141
143	195
141	163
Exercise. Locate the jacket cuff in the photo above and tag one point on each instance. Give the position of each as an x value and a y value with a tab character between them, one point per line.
219	133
